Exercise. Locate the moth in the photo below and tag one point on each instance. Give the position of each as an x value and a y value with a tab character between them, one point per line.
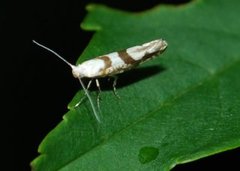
112	64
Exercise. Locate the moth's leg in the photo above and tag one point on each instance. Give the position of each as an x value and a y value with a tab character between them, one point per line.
114	86
99	91
76	105
88	86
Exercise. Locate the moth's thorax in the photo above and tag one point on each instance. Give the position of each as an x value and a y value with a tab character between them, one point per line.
90	69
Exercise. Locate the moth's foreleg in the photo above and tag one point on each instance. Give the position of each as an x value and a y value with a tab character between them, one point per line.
89	84
80	101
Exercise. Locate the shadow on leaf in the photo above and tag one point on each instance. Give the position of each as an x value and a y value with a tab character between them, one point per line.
127	78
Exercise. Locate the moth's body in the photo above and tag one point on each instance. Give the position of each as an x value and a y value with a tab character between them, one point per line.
113	63
118	62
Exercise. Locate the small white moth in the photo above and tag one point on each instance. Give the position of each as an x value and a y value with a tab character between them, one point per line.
112	63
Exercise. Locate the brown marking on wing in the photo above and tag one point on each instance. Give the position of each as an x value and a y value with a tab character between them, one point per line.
126	57
107	61
149	56
152	55
107	64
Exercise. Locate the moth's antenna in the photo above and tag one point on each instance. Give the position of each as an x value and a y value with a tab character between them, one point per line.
55	53
90	100
72	66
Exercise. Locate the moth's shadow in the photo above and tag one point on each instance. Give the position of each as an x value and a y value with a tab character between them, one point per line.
127	78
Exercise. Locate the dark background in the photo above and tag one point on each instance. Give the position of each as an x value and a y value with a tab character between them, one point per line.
38	86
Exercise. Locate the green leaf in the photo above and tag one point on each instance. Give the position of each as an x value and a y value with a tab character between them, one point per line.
179	107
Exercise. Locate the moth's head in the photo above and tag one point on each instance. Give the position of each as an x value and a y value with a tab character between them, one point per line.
76	71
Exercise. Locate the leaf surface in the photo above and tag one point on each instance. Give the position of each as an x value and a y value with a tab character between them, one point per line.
179	107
